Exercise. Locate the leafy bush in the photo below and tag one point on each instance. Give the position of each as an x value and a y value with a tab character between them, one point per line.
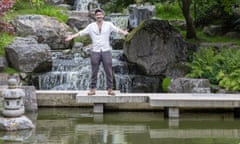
222	68
53	11
5	39
37	4
205	65
165	83
5	5
116	5
21	4
169	11
229	74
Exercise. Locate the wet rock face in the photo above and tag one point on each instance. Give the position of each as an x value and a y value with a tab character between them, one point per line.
189	85
156	47
47	30
27	55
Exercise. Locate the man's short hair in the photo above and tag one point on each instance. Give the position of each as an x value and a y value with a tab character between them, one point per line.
99	10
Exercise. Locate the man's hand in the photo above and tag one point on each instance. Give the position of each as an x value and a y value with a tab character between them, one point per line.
125	32
68	38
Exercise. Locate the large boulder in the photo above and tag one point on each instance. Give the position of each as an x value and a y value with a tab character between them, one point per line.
47	29
27	55
157	48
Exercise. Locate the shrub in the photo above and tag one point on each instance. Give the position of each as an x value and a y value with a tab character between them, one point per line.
5	5
205	65
53	11
165	83
222	68
5	39
169	11
229	74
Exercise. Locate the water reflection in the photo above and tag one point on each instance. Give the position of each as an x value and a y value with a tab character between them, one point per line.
77	126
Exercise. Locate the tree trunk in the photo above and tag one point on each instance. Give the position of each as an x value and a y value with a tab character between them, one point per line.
185	5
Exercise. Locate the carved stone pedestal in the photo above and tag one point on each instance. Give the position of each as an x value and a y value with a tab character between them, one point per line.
18	123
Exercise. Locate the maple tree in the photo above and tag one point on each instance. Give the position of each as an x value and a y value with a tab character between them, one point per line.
5	5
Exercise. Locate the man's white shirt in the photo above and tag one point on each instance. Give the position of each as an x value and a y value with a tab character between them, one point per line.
100	39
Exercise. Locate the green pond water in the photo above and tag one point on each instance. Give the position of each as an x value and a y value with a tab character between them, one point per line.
80	126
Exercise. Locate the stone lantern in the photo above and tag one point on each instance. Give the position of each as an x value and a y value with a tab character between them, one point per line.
13	109
13	100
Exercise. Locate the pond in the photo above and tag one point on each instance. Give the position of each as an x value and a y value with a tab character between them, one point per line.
80	126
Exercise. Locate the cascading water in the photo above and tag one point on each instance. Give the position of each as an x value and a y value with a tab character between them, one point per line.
121	21
72	72
82	5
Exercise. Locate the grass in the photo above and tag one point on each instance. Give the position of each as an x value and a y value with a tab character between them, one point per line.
210	39
23	7
169	11
215	39
10	70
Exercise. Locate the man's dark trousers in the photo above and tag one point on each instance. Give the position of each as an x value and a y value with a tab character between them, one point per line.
106	58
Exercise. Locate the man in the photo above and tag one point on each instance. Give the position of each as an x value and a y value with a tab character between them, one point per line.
99	32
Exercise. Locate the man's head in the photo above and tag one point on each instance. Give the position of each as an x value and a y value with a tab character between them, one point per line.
99	14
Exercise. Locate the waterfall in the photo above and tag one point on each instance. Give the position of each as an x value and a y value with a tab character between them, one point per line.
82	5
121	21
73	72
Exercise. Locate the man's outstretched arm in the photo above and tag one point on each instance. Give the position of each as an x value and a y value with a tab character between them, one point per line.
70	37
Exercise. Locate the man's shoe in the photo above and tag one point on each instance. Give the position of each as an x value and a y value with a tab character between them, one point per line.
92	92
111	93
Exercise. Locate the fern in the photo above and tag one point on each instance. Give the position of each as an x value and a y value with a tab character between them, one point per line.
221	68
204	65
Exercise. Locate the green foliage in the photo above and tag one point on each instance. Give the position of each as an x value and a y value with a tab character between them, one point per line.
165	83
21	4
222	68
229	74
116	5
204	65
214	11
5	39
10	70
37	4
135	30
169	11
23	7
53	11
228	5
211	39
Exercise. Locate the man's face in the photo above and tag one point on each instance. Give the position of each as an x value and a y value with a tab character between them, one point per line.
99	16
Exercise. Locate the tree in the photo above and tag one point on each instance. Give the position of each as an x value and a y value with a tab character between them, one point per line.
185	6
5	5
206	12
